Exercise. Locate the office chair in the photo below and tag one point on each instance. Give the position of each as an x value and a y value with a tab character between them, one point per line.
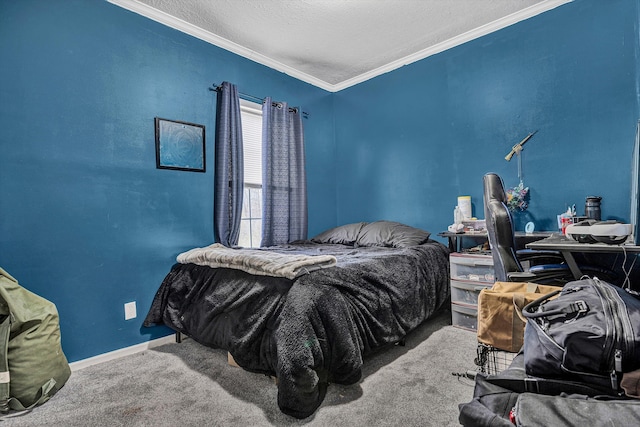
494	190
506	260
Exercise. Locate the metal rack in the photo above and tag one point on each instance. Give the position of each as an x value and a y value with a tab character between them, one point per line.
491	360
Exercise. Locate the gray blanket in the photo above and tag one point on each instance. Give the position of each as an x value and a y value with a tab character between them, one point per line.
313	330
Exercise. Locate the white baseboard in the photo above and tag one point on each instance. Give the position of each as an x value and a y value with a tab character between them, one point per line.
116	354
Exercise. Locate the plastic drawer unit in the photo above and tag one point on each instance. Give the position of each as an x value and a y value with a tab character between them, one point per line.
470	273
466	293
465	317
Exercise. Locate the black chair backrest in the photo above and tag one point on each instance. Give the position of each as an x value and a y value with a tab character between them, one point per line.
499	228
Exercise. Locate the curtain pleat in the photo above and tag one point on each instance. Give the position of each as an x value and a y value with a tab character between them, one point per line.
229	169
284	183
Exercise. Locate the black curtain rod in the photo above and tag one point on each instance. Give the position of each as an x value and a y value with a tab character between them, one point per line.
216	88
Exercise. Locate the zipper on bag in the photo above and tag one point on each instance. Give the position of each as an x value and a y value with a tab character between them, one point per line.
622	331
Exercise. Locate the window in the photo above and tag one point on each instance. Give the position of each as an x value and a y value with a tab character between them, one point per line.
251	219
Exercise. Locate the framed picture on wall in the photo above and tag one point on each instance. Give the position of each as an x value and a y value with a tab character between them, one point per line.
179	145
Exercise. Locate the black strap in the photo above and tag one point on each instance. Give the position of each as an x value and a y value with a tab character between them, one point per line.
546	386
530	310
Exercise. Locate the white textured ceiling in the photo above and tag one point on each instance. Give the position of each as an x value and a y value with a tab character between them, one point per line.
334	44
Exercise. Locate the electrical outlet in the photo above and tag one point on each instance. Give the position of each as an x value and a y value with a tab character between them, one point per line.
130	310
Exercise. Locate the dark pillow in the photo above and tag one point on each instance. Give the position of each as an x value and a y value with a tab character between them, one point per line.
344	234
389	233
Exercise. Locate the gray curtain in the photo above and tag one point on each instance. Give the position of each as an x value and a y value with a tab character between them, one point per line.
284	183
229	169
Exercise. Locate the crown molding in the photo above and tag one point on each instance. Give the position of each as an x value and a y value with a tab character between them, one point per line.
192	30
187	28
453	42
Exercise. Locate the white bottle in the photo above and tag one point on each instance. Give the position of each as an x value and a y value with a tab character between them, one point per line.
464	204
457	216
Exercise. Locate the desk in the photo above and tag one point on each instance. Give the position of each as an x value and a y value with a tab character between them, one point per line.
455	239
568	247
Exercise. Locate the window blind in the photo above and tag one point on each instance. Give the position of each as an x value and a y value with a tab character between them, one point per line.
252	141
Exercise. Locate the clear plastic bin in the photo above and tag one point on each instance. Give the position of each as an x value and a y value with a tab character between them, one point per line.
467	292
464	317
473	268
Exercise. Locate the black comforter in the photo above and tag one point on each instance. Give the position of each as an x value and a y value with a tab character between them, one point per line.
312	330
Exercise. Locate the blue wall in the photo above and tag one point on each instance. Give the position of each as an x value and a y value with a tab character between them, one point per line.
422	135
87	221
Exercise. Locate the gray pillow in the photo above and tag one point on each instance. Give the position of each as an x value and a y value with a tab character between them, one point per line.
344	234
393	234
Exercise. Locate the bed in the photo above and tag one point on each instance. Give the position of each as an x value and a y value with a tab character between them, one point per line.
339	297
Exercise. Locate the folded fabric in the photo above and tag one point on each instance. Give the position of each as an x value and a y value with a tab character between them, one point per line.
262	262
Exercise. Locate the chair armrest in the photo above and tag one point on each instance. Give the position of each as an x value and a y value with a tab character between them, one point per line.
536	257
520	276
537	252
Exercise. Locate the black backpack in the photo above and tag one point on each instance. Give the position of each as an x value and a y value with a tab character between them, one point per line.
512	397
590	333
